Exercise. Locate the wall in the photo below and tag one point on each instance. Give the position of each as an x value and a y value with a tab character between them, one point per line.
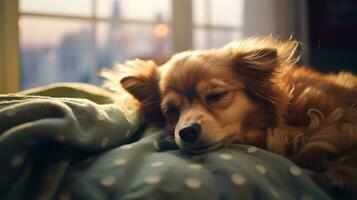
280	18
264	17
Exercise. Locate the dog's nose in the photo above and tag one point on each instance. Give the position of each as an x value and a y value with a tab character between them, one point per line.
190	133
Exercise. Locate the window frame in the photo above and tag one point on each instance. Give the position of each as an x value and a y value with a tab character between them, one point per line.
9	47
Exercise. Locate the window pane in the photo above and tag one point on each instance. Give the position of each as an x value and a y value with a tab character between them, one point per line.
135	9
66	7
117	43
55	50
218	12
207	39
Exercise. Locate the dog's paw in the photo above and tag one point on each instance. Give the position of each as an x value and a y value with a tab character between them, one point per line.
278	141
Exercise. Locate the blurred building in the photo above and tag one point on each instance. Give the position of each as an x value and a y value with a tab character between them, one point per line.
74	57
118	38
79	57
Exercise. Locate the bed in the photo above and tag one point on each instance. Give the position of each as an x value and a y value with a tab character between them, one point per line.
77	141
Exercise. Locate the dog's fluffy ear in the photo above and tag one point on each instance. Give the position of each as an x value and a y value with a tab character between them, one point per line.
257	70
261	59
262	56
259	63
142	81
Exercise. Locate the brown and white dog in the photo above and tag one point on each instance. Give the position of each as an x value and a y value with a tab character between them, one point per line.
252	92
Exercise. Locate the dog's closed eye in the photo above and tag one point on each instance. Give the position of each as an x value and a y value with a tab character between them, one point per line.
171	112
170	109
215	96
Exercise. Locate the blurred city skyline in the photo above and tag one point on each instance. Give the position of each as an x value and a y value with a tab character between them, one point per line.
36	37
72	50
77	56
225	12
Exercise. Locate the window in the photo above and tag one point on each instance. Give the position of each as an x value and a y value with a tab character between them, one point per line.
65	40
216	22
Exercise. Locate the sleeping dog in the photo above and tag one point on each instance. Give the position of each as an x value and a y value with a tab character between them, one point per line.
252	92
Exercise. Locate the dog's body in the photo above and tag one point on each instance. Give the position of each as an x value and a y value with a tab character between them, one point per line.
251	92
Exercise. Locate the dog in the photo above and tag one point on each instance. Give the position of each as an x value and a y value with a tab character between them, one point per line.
253	92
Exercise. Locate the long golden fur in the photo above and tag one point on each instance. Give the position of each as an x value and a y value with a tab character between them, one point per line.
252	92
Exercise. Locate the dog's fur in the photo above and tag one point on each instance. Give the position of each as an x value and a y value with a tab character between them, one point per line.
252	92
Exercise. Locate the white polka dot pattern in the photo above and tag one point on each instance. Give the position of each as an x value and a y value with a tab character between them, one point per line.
17	160
156	145
128	146
195	166
120	162
238	179
100	117
154	180
156	164
225	156
127	133
261	169
10	112
104	142
295	171
193	183
108	181
252	149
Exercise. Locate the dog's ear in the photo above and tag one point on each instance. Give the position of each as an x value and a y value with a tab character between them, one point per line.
258	70
142	82
260	63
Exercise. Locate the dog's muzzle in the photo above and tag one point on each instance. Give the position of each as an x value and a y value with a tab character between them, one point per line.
190	133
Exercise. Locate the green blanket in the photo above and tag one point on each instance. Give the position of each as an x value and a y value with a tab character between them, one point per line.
77	141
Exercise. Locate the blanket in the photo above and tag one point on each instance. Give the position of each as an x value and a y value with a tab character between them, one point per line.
77	141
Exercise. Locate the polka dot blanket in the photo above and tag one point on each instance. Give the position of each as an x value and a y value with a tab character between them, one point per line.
75	141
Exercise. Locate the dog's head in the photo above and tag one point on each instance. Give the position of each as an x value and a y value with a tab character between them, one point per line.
213	98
